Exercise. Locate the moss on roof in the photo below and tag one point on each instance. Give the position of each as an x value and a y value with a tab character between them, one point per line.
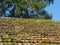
16	28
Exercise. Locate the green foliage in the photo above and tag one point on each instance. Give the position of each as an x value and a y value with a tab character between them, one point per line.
35	5
46	16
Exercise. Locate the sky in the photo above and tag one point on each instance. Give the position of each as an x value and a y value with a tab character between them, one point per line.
54	9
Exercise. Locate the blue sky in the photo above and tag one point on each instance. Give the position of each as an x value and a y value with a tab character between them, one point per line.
54	9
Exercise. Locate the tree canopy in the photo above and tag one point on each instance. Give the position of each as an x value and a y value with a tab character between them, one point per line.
24	8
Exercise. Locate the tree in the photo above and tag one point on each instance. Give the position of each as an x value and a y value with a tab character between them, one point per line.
45	15
25	8
7	8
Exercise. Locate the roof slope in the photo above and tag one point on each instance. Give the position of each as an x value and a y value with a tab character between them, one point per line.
18	27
